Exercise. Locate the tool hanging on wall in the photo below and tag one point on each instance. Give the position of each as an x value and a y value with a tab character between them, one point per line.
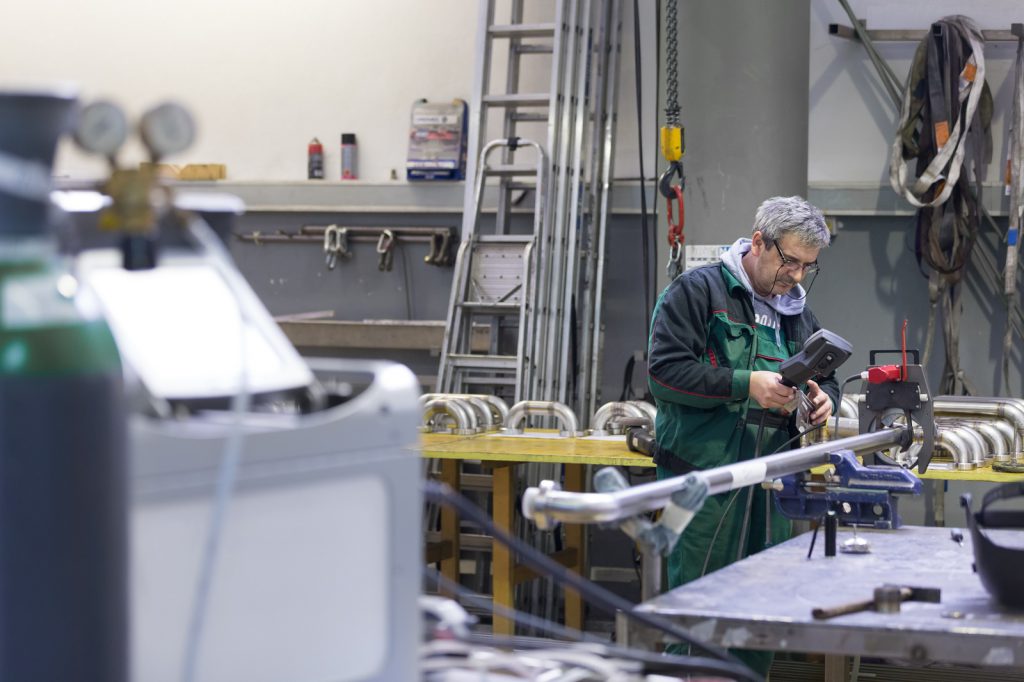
337	241
673	145
946	112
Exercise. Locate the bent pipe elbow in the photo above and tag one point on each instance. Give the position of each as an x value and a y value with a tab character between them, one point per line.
541	408
648	408
978	445
998	446
489	413
465	421
498	406
953	441
609	411
1011	409
848	408
545	505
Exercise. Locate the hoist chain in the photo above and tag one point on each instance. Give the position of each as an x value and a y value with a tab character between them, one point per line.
672	64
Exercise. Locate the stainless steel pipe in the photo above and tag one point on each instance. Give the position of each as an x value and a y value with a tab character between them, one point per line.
1011	409
465	420
546	504
616	410
541	408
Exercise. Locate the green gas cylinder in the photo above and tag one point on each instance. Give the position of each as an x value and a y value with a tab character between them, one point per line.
63	523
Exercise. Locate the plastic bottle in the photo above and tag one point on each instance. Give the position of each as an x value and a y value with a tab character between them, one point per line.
348	156
315	152
63	509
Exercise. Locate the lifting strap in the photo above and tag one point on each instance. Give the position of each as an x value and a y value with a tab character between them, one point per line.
1015	189
944	126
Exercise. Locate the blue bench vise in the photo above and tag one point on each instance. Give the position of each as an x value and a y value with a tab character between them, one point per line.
856	494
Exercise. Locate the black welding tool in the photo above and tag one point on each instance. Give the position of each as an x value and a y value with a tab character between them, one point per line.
821	355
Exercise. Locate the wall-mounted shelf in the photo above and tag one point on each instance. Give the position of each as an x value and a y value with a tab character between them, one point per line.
917	35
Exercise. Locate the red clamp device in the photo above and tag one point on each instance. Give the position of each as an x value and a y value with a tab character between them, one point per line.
884	373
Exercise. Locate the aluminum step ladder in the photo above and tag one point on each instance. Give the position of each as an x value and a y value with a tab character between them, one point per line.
495	282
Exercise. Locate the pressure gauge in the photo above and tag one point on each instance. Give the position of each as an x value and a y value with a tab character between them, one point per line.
102	128
167	129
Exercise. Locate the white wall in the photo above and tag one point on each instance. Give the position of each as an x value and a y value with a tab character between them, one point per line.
263	77
852	122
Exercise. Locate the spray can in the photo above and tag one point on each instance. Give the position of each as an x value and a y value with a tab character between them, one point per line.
316	160
348	156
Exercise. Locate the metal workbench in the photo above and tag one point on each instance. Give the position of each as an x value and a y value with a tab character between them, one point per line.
765	602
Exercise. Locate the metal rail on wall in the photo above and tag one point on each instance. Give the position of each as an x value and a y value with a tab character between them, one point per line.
337	238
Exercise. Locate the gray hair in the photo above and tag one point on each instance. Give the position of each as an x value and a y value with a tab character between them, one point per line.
779	216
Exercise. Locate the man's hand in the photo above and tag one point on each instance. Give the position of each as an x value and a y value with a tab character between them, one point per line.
821	404
769	391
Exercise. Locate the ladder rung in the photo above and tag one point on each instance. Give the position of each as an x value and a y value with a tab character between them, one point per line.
517	186
533	49
494	307
484	362
489	381
521	116
504	238
518	99
522	31
507	170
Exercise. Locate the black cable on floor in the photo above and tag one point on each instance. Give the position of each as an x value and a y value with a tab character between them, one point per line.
598	597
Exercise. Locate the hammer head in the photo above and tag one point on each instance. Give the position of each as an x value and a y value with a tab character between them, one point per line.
889	597
932	595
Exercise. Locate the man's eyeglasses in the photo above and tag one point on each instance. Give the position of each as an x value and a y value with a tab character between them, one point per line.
793	265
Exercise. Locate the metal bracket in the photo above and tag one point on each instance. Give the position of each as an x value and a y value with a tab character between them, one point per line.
385	250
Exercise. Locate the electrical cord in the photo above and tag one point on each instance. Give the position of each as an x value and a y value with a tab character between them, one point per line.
745	526
439	580
842	389
597	596
231	461
735	494
644	231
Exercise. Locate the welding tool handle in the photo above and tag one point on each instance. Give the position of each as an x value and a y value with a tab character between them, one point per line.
855	607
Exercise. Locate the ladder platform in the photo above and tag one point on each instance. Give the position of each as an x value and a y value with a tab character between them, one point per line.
508	363
492	307
539	99
532	49
505	170
521	116
522	239
546	30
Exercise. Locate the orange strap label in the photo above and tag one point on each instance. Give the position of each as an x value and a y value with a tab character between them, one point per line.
969	72
941	133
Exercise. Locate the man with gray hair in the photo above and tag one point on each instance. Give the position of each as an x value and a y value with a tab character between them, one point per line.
718	335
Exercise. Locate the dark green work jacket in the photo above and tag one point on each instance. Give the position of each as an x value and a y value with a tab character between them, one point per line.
703	348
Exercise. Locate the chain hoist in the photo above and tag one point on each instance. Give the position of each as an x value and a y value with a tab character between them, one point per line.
673	145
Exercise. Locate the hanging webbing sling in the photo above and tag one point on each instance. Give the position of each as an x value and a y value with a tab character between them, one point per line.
944	126
1015	188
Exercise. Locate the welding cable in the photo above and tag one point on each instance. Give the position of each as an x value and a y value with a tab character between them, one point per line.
231	461
842	390
644	232
735	494
471	598
598	596
745	526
